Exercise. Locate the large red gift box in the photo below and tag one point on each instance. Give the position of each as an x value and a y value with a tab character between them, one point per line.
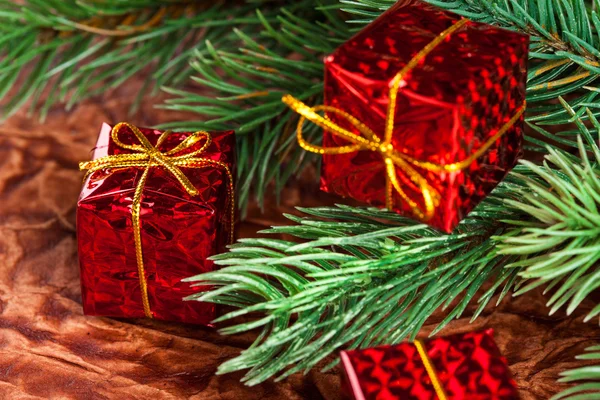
459	367
448	88
179	231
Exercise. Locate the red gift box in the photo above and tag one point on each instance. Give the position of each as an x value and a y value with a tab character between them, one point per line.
459	367
185	216
452	93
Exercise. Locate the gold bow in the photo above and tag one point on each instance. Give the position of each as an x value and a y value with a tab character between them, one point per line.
393	159
147	156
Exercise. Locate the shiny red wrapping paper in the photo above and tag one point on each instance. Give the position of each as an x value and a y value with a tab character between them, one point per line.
458	97
468	366
179	232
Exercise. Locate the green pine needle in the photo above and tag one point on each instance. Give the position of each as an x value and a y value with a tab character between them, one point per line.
364	276
286	58
356	277
587	378
561	246
247	89
64	51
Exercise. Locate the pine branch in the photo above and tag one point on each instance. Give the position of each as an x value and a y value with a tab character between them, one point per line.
366	276
69	50
561	248
286	58
378	284
589	376
247	86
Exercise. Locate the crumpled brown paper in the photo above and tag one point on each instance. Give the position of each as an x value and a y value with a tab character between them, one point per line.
48	349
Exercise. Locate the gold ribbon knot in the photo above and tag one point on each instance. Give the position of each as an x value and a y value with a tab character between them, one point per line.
147	156
393	159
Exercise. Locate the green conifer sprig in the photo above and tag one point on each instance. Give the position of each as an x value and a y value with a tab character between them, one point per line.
246	86
46	48
286	58
362	276
67	50
560	247
587	378
365	276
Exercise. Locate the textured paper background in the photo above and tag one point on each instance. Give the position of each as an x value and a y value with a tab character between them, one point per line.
48	349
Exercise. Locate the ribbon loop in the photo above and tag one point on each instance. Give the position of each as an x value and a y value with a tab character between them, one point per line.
146	156
369	142
189	143
144	142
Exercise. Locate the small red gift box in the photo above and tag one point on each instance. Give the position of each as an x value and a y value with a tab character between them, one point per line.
459	367
178	196
424	113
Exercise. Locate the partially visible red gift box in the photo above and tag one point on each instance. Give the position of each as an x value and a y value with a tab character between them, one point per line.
459	367
452	93
179	231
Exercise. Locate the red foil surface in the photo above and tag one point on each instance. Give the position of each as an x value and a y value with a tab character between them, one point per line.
468	366
179	232
460	95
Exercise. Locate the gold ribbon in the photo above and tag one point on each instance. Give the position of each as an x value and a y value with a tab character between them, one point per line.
437	386
147	156
393	159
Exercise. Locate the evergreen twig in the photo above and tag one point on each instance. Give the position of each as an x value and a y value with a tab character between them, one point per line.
359	282
68	50
587	378
363	276
246	86
287	59
560	247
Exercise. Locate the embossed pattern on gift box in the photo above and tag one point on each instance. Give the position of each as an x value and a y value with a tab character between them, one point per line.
179	232
459	96
468	367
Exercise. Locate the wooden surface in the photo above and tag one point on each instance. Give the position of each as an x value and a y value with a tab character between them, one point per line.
48	349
